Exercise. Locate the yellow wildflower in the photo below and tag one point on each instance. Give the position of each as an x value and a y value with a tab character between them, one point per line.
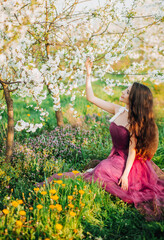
54	197
43	192
5	211
70	197
99	114
36	189
88	106
15	204
63	185
58	207
75	172
72	213
59	181
58	226
75	230
19	223
52	207
60	174
81	192
22	213
28	115
52	191
47	239
82	204
20	201
89	191
30	208
39	206
71	205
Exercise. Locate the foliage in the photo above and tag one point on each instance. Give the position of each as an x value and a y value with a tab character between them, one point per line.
102	217
69	209
45	54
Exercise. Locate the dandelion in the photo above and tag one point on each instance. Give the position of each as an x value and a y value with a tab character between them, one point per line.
5	211
15	204
28	115
43	193
98	114
70	197
20	201
39	206
82	204
81	192
19	223
63	185
52	207
75	172
75	230
58	207
59	181
52	191
60	174
36	189
71	205
55	197
72	214
58	226
47	239
89	191
30	208
88	106
22	213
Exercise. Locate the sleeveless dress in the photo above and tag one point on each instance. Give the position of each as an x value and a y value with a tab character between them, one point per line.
145	189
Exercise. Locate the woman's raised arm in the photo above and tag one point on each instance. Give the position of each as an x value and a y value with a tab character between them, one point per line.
107	106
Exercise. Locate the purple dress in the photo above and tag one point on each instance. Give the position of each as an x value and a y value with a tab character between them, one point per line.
145	189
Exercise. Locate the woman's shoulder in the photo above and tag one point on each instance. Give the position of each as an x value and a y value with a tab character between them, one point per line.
118	108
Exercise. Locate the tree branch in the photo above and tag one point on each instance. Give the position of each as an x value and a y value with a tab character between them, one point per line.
13	90
8	83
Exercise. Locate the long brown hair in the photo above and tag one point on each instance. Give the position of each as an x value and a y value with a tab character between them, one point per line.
141	119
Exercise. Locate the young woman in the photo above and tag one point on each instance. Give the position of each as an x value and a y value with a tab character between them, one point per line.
128	172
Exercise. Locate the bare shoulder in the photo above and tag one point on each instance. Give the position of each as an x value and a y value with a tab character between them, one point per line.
117	107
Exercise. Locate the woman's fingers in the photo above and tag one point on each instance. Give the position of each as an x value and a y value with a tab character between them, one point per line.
123	185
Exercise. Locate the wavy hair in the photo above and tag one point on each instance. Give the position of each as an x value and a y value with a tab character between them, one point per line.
141	119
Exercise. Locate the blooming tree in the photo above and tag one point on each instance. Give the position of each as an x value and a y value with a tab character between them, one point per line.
44	43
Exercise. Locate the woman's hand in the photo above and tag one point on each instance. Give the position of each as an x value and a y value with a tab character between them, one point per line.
124	182
88	65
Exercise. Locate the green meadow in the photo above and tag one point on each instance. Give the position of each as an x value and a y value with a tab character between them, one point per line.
68	208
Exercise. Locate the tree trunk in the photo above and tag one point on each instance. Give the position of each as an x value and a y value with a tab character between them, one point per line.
10	127
59	117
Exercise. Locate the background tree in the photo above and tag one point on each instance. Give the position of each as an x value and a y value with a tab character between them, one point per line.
46	44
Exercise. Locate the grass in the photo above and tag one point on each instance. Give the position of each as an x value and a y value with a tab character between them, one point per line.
93	214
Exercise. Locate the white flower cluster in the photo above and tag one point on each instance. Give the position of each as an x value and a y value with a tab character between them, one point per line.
107	34
29	127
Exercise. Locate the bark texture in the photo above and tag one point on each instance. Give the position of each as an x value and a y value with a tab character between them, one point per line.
10	126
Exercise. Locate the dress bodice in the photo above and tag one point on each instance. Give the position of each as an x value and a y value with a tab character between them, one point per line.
120	136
